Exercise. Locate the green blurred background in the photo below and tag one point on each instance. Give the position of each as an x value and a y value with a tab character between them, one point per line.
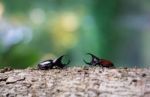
36	30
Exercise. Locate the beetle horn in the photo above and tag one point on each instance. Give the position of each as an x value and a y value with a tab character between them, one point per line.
93	61
58	61
93	56
68	62
86	62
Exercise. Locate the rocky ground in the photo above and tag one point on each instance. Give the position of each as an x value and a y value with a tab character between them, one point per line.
75	82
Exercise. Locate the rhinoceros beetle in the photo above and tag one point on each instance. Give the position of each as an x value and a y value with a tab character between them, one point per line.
51	64
99	62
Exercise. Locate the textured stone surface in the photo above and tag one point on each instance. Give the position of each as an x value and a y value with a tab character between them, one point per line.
75	82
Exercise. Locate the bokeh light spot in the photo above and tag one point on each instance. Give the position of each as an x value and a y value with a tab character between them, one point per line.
1	10
37	16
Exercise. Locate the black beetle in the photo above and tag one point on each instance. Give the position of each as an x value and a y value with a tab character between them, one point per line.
100	62
50	64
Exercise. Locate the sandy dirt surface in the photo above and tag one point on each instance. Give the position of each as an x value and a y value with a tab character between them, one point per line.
75	82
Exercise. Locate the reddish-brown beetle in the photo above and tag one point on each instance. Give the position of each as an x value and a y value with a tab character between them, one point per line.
100	62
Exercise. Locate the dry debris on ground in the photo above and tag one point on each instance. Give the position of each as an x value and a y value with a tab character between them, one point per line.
75	82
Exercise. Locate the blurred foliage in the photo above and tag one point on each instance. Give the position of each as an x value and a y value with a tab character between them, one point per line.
32	31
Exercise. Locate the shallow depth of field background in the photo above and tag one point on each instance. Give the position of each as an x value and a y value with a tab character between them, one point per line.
35	30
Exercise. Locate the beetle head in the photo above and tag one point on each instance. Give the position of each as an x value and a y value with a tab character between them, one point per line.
58	62
95	60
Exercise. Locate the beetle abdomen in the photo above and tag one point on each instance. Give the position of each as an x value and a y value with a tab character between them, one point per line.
106	63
